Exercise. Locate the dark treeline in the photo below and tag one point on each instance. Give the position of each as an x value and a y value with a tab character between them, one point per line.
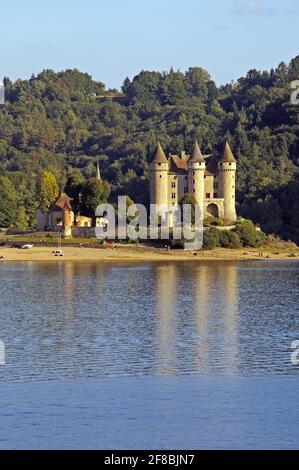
64	121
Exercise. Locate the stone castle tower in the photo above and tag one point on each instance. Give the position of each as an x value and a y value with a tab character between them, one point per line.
210	178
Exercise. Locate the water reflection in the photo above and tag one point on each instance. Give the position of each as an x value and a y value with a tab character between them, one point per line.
197	313
166	285
97	320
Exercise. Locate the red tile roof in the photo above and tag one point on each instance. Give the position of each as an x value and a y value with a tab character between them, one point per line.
63	203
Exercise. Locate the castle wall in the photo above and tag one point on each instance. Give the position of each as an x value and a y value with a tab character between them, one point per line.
84	232
218	202
209	187
173	192
182	186
41	221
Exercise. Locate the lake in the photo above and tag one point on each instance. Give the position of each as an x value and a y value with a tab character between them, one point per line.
154	355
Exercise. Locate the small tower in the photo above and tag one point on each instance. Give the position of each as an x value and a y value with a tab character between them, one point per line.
159	177
227	167
196	174
98	172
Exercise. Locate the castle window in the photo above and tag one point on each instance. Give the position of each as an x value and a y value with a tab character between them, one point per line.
160	176
216	195
208	195
173	185
173	195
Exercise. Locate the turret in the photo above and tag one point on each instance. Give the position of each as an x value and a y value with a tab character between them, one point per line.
227	167
196	172
159	177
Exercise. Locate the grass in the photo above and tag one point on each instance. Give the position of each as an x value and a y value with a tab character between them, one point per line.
52	240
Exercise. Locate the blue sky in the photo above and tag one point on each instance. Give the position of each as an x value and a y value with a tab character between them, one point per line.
112	39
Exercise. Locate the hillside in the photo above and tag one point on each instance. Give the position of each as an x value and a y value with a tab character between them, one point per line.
61	121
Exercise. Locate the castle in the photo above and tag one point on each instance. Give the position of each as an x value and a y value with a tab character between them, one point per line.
210	178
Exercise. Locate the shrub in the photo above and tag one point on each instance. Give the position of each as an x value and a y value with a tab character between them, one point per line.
247	233
211	239
230	239
216	221
177	244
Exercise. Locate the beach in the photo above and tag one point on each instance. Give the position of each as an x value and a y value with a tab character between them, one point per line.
143	253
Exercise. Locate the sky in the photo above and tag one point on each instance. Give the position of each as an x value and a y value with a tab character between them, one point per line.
113	39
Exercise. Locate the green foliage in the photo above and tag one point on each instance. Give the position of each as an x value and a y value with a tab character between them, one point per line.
21	221
248	235
244	234
58	121
211	239
8	203
73	187
94	193
48	191
214	221
278	212
230	239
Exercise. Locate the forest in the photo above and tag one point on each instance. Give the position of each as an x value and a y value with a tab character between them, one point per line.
62	123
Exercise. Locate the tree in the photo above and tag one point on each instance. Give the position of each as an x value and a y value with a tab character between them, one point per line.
8	203
74	186
61	121
48	191
211	238
94	192
230	239
21	221
248	234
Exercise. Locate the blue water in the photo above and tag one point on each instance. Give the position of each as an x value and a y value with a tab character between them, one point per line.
154	355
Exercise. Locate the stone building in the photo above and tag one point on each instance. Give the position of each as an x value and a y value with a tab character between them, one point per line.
60	217
210	178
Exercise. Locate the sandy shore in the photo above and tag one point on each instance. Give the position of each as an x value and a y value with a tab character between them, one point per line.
137	254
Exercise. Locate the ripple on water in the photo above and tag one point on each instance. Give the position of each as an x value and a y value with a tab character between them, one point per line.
73	320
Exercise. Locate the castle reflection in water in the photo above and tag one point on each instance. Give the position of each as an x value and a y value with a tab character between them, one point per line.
84	320
189	313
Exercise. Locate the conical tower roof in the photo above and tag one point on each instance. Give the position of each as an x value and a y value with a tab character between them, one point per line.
196	155
159	155
227	155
